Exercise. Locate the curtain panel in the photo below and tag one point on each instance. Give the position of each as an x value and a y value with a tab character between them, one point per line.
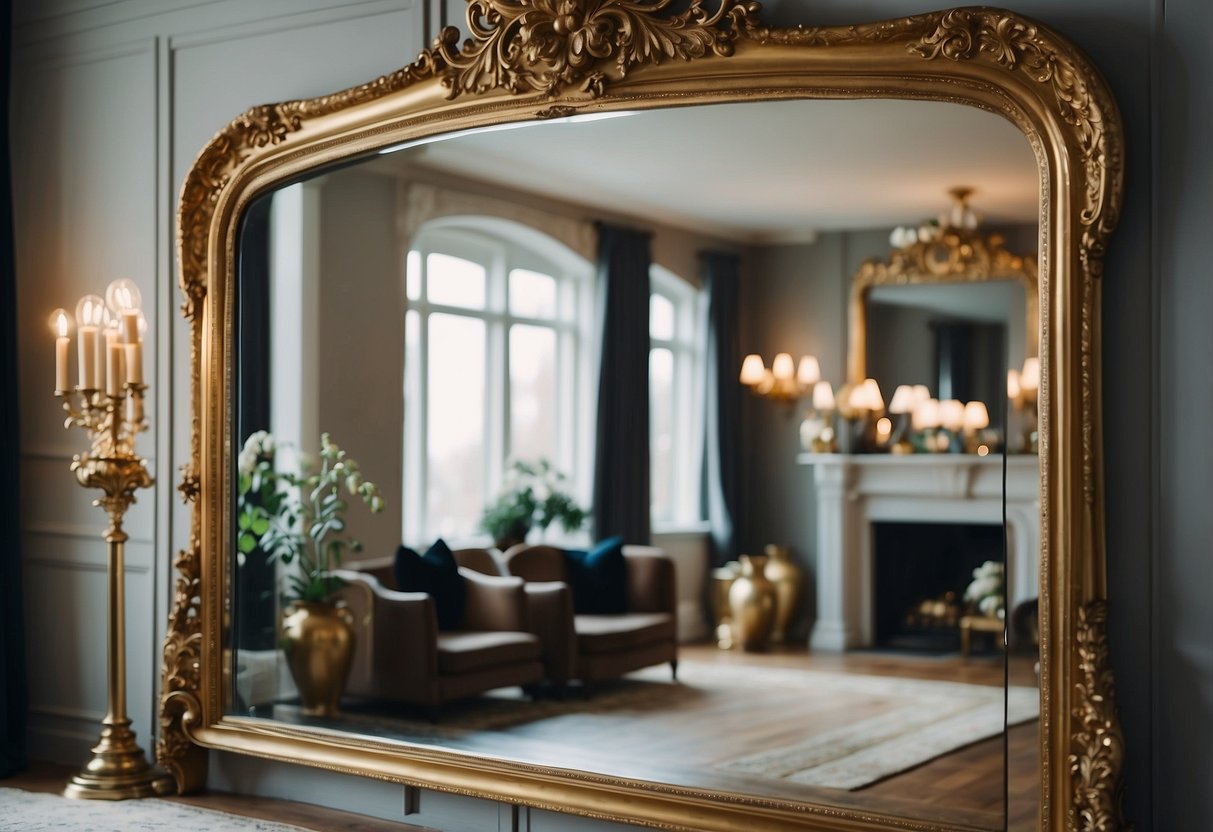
621	451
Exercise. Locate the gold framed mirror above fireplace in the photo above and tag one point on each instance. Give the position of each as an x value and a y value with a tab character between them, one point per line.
540	67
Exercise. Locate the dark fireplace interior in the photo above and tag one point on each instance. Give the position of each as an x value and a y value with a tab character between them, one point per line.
921	572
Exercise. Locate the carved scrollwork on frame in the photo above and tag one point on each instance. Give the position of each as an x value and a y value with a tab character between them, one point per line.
1099	747
181	678
548	59
550	45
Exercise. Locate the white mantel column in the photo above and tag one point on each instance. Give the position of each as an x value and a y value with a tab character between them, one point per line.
839	587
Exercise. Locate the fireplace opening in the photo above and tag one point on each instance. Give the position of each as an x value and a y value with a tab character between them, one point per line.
921	571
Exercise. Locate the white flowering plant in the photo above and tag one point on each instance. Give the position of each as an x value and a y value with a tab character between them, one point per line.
987	591
299	518
533	494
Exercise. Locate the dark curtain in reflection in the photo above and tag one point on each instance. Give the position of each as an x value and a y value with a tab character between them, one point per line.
253	626
621	453
722	454
14	696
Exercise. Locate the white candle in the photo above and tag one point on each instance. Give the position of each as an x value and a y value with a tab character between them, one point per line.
130	325
88	357
134	362
113	374
61	345
107	358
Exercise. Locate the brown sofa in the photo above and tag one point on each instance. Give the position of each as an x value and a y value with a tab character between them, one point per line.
594	648
400	654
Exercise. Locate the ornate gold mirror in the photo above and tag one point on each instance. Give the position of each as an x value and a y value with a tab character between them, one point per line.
422	158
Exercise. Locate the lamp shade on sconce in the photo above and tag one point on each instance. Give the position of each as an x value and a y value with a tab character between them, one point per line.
1029	377
1013	388
823	396
904	400
752	370
952	414
926	415
976	417
808	372
782	367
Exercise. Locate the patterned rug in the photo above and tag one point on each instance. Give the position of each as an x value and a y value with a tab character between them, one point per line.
801	724
22	811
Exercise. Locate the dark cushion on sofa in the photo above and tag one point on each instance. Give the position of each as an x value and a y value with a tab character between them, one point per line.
598	578
437	574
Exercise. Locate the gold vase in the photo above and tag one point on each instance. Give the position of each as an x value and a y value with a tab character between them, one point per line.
788	578
318	639
752	604
722	581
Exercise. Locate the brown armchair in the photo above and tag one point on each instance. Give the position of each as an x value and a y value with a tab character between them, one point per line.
593	648
400	654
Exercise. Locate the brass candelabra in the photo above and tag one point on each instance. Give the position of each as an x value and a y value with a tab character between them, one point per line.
112	414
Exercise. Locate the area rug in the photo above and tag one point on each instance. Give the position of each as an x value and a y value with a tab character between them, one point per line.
825	729
22	811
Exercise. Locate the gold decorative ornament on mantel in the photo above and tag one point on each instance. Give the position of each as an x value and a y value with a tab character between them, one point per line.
107	402
528	59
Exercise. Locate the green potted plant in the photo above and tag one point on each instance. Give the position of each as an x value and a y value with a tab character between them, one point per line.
298	519
534	494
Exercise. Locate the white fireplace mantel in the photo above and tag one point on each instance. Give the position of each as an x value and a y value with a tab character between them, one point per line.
855	491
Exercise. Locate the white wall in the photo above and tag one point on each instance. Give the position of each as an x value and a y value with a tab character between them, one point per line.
112	99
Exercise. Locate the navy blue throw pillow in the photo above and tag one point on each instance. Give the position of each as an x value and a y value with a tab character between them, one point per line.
436	573
598	578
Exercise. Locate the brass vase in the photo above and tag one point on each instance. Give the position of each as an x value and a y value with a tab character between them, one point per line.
788	578
752	604
318	639
722	581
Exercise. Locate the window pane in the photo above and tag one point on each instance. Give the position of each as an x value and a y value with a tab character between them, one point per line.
532	294
661	432
533	404
455	416
661	318
454	281
412	275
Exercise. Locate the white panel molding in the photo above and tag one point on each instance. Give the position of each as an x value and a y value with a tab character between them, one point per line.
287	22
81	548
80	531
62	55
101	21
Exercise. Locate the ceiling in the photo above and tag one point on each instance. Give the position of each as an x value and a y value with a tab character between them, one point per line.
760	171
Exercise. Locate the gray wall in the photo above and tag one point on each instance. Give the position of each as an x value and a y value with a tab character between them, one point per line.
113	99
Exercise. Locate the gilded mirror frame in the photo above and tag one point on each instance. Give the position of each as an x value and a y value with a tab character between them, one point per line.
975	257
537	59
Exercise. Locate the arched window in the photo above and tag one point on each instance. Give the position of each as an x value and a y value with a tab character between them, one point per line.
497	367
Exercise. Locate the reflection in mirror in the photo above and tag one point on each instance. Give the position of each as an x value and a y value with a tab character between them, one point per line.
586	544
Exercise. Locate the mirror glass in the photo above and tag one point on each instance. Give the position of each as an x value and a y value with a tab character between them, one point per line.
440	313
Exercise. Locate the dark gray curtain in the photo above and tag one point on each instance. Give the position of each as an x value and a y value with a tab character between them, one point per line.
14	700
722	454
621	453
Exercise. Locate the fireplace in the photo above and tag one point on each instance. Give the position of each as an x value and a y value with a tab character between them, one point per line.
920	572
856	494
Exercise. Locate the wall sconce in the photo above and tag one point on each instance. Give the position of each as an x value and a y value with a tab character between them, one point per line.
818	433
905	399
976	420
784	381
861	407
1023	388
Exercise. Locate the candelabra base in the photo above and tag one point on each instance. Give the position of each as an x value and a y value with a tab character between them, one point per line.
118	770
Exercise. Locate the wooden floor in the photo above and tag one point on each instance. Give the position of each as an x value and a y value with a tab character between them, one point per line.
964	786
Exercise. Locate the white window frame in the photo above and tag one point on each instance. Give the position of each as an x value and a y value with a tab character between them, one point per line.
501	246
686	346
